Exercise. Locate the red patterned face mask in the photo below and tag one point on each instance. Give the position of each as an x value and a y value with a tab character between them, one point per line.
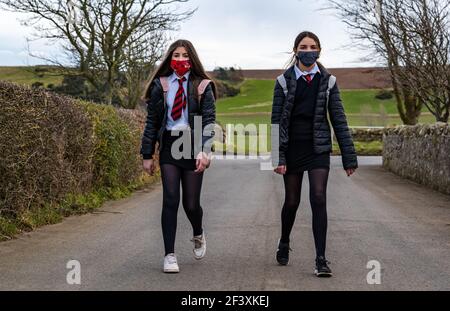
180	66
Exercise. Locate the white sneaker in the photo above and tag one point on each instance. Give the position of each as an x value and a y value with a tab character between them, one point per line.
199	246
170	264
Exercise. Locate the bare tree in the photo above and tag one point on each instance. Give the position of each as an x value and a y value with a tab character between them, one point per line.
140	59
425	52
412	38
107	40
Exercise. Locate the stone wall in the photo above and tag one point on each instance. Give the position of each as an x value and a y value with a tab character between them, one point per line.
367	134
420	153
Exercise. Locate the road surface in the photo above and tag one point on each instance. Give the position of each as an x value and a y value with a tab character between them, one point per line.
373	215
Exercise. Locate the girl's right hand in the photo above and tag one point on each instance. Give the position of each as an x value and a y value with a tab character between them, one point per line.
280	170
149	166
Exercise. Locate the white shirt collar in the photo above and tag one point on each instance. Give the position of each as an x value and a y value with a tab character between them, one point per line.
173	77
299	73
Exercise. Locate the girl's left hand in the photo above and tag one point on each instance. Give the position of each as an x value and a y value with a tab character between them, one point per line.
203	162
350	171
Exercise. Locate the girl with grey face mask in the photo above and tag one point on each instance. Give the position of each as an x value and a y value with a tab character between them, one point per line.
300	106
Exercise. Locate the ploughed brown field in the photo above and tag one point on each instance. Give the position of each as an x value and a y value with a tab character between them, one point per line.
348	78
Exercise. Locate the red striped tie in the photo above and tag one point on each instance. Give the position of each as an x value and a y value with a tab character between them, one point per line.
180	101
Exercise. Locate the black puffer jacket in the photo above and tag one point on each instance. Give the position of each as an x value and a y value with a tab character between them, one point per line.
157	118
281	113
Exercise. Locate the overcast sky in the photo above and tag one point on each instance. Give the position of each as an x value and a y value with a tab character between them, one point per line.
251	34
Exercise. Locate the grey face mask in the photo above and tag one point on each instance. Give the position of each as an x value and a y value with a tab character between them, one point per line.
308	58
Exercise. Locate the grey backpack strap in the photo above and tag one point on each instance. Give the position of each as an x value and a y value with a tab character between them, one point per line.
282	81
331	83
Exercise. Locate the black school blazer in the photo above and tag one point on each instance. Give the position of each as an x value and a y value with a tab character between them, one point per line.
281	112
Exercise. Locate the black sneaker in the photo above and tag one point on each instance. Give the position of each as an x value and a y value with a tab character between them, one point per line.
322	269
283	253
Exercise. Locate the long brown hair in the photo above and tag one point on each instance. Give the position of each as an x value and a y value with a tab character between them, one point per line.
298	39
197	72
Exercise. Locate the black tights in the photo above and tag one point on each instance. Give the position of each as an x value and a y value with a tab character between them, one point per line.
318	179
191	182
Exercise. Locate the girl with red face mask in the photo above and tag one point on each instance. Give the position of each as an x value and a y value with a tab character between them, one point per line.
178	92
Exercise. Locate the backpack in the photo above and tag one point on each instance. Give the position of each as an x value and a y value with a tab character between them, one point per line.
282	81
200	90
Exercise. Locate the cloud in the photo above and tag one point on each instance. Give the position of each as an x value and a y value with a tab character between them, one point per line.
6	52
259	34
245	33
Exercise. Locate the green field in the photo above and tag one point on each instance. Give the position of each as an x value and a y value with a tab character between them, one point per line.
27	75
254	104
255	96
361	106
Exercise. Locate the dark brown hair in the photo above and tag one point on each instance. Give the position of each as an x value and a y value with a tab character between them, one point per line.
197	72
298	39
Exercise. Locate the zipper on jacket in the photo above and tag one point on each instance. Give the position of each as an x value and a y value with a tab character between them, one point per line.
314	117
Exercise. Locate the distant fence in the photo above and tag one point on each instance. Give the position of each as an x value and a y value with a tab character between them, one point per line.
363	133
367	133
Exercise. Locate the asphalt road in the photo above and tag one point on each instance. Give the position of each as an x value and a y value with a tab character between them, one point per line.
373	215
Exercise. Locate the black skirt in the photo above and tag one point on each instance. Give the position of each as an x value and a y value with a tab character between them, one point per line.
166	157
300	157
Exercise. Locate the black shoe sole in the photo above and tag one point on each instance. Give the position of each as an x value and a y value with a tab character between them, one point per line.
323	274
282	262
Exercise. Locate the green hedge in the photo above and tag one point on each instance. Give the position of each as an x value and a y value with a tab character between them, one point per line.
60	156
